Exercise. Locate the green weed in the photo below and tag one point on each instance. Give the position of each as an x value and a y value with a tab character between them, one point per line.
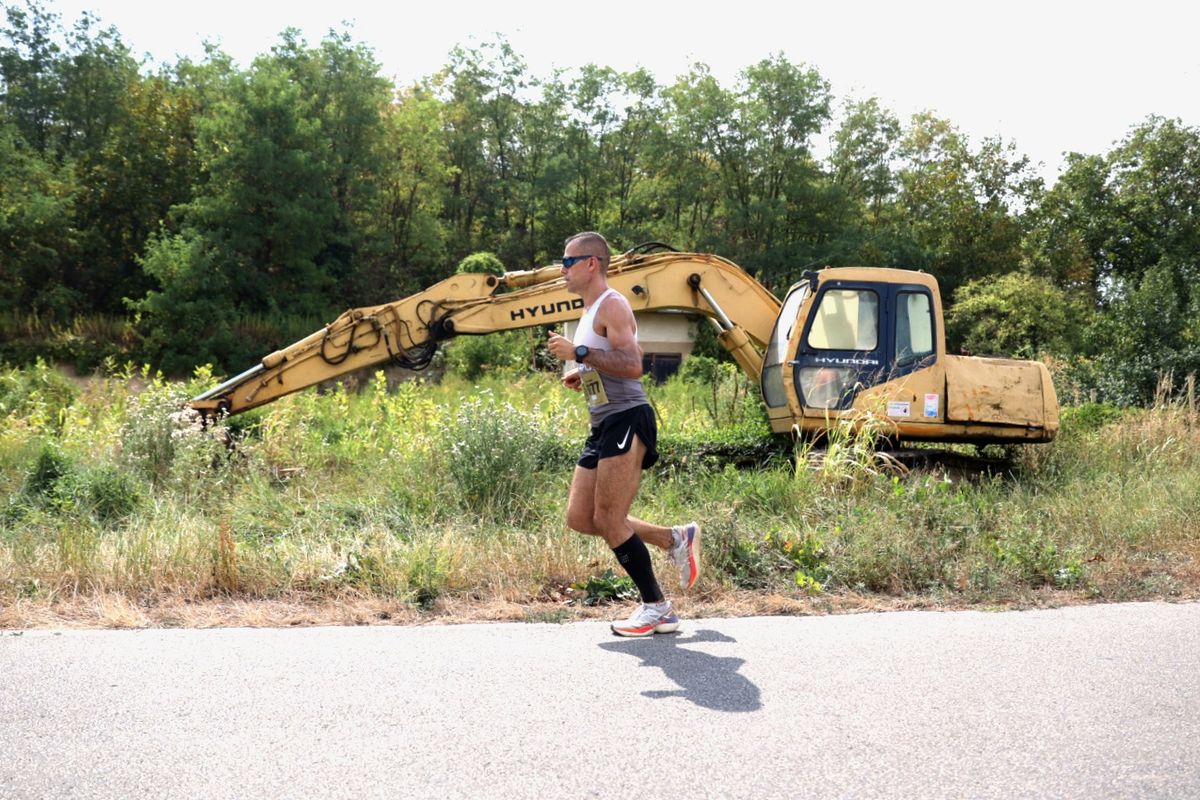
495	454
49	472
38	395
110	494
606	588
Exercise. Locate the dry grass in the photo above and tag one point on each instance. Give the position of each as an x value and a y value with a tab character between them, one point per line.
117	611
343	510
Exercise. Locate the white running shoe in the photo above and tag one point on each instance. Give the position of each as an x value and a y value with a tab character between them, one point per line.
647	620
686	553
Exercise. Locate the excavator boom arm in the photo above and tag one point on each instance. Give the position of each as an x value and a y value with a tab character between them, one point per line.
406	332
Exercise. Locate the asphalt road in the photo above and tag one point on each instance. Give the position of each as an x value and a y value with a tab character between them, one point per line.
1088	702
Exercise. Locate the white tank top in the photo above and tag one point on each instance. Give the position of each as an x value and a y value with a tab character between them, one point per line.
622	393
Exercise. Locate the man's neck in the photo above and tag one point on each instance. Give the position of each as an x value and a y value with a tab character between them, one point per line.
593	291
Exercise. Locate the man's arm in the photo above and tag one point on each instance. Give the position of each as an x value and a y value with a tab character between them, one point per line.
624	359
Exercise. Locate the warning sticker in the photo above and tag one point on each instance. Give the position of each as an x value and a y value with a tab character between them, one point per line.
931	405
899	408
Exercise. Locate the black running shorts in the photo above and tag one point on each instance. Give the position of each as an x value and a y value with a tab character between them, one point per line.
614	436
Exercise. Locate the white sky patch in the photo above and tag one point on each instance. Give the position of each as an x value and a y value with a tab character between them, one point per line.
1051	76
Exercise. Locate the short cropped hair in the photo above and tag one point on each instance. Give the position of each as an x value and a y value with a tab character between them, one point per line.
592	241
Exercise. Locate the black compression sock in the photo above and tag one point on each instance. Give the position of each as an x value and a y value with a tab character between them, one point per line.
635	558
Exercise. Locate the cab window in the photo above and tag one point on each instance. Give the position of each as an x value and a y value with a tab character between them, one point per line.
847	319
914	327
772	380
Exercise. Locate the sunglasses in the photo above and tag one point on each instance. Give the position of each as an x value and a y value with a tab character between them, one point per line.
570	261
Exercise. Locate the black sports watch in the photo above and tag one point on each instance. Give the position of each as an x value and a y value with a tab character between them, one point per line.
581	352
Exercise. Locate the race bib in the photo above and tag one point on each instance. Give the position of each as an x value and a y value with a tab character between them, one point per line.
593	387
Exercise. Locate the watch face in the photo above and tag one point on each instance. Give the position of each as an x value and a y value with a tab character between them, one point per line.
581	352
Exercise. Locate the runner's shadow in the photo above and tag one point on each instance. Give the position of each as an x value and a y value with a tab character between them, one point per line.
708	681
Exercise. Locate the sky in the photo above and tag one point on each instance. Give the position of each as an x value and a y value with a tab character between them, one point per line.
1052	77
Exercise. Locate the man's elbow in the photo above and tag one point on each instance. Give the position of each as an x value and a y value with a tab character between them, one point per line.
634	370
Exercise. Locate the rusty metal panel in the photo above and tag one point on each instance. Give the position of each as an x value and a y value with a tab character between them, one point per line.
994	390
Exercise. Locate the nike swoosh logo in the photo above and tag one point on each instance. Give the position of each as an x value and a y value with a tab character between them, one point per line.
621	445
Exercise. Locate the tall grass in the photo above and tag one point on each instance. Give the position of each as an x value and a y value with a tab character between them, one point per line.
456	491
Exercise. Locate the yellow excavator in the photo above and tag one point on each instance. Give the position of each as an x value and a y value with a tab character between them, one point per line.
846	343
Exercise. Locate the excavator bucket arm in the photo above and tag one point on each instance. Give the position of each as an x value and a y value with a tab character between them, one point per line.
407	331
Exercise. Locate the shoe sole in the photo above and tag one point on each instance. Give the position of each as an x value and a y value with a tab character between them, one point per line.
647	630
694	559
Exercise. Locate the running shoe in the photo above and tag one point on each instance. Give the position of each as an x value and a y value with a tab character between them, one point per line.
647	620
686	553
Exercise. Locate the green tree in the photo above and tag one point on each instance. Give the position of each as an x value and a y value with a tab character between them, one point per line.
37	238
1125	227
190	319
734	170
346	96
95	74
782	106
79	94
1152	332
590	120
30	84
1155	191
864	156
480	88
1015	314
546	175
250	239
686	187
963	208
639	117
146	166
408	240
859	203
293	163
1067	241
267	203
481	262
709	148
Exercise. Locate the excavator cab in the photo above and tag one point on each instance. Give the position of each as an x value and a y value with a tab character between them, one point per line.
860	334
842	332
854	340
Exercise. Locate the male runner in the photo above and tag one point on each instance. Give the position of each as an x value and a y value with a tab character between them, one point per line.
623	437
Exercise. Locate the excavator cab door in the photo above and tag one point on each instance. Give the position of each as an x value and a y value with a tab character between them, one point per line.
858	335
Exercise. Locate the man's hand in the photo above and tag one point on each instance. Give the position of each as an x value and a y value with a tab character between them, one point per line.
560	347
564	349
571	380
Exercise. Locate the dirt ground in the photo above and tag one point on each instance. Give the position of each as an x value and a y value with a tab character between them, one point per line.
120	612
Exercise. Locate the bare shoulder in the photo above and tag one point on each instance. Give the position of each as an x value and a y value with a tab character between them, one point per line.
615	322
614	310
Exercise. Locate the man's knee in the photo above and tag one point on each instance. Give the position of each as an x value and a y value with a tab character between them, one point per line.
608	521
580	522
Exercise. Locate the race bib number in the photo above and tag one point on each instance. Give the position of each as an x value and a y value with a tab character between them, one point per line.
593	387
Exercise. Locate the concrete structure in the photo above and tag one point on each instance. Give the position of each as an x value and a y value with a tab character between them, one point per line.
667	337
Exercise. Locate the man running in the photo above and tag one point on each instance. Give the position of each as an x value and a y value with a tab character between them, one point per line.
623	438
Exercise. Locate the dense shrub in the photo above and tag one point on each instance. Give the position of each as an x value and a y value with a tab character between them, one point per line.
472	357
495	453
487	263
36	391
50	469
111	494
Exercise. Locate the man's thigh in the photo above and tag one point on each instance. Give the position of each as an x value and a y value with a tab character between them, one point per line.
581	500
617	480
